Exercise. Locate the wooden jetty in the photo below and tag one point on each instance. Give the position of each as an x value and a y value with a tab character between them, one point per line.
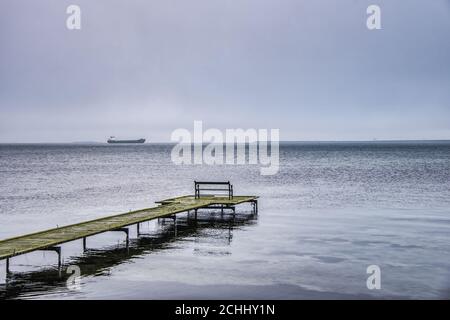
50	239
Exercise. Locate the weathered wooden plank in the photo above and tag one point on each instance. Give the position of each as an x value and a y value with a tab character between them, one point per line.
43	239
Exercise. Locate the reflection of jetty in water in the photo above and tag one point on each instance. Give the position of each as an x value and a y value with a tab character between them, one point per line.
98	262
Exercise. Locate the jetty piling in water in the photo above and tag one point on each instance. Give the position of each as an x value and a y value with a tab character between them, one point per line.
49	240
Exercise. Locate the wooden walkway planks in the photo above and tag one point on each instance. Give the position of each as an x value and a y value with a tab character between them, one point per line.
52	237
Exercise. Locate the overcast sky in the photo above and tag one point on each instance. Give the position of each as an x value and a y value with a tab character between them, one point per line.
144	68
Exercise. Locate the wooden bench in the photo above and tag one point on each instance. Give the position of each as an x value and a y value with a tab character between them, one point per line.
218	188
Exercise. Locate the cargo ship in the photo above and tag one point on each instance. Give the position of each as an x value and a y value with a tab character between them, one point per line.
114	140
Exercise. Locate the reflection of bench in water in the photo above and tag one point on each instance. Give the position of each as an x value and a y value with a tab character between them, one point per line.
98	262
50	239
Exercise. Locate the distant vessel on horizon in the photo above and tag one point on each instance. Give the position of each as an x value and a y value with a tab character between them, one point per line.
114	140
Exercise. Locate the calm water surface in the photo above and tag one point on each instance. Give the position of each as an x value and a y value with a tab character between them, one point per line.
331	211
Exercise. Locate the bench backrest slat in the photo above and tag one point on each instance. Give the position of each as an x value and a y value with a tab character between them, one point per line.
208	186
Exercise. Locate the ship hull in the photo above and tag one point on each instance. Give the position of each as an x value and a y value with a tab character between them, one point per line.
126	141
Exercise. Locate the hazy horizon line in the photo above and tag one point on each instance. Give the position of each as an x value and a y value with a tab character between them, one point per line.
281	141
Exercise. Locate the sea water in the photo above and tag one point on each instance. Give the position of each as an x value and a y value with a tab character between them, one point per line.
332	210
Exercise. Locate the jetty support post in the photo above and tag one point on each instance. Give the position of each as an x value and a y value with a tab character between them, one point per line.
84	244
175	226
137	229
255	206
7	266
127	232
58	251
